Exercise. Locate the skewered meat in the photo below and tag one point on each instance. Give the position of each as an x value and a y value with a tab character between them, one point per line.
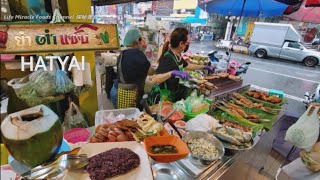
223	75
237	125
241	100
274	99
235	78
263	96
256	95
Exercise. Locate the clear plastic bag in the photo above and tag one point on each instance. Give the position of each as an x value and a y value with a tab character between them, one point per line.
305	132
36	88
74	118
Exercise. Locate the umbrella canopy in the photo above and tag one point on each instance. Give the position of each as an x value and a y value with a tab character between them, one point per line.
312	3
251	8
306	14
110	2
289	2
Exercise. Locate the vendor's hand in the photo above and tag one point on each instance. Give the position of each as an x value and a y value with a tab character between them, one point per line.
210	69
181	74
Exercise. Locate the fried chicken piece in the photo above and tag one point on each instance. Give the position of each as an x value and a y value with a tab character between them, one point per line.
263	97
250	93
274	99
256	95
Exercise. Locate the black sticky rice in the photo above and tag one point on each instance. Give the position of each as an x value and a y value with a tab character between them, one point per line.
111	163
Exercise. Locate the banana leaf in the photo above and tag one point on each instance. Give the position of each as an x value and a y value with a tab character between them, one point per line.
225	116
265	103
263	115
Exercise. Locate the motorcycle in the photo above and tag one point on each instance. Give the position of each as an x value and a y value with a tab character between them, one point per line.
314	98
213	56
231	66
237	69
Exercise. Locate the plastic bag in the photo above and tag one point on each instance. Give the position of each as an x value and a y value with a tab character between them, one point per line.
109	118
202	122
74	118
45	84
36	88
63	83
305	132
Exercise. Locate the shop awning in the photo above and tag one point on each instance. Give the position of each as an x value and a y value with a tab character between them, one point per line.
110	2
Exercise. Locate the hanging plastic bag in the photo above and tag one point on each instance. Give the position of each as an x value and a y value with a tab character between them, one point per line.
36	88
305	132
45	84
63	83
74	118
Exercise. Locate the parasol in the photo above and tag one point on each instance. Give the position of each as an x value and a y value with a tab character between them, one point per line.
251	8
110	2
312	3
306	14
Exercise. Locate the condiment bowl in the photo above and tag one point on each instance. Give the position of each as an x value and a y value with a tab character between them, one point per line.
182	148
216	142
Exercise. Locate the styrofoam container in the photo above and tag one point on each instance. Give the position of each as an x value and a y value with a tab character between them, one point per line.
130	113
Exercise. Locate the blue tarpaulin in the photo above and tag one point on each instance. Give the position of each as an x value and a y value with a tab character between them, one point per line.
251	8
195	18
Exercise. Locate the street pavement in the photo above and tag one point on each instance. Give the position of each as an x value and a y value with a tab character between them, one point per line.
291	77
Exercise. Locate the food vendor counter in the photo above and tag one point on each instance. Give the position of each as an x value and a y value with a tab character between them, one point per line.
233	162
229	165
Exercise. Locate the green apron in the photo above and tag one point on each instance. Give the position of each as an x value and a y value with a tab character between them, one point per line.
165	94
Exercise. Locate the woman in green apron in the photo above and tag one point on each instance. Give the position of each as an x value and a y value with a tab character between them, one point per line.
172	65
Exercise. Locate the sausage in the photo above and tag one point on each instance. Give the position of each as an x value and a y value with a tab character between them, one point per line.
113	133
112	138
103	132
93	139
100	136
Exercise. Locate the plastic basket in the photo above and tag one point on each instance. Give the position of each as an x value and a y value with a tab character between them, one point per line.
76	135
130	113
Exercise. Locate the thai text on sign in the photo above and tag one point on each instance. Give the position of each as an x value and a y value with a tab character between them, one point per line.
20	38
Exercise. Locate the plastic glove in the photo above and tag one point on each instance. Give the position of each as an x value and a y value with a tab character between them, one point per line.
210	69
181	74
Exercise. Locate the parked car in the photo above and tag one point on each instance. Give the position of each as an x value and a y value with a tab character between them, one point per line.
281	41
316	42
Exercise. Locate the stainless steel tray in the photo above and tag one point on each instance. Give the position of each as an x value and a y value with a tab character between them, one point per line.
166	171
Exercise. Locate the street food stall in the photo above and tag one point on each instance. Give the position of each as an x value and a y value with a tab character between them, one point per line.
202	136
170	138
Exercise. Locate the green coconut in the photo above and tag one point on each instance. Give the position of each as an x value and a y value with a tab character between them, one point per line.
32	136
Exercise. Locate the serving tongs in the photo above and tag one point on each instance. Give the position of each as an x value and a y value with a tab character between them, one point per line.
163	119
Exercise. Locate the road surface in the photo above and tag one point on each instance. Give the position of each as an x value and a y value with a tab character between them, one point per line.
291	77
